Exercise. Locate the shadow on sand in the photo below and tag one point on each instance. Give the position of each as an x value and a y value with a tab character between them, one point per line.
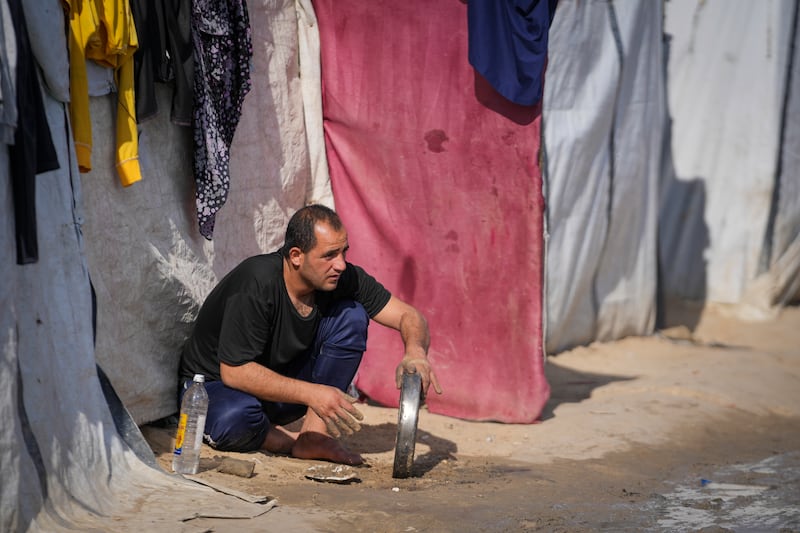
381	438
571	386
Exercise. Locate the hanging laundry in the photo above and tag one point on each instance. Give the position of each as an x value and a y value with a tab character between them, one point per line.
103	31
165	56
222	53
33	151
508	45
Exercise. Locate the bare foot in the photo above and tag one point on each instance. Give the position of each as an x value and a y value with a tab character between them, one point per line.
312	445
279	440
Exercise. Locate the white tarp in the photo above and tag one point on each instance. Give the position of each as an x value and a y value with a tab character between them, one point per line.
671	157
727	83
785	243
603	115
779	280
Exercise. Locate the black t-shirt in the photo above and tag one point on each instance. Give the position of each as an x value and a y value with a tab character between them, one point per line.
249	317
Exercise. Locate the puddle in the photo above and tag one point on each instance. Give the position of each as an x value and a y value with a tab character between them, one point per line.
762	496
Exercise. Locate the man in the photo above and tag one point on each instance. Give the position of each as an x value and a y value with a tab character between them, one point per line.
281	337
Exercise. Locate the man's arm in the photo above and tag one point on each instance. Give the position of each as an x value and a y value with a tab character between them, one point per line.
413	329
333	406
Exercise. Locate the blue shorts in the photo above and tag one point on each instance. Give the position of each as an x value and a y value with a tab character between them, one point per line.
239	422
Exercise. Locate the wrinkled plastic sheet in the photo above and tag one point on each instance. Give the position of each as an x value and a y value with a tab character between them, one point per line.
604	116
736	236
71	457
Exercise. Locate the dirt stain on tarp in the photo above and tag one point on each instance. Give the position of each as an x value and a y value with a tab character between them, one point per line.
435	140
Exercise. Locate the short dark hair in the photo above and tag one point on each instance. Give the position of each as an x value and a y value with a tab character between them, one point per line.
300	230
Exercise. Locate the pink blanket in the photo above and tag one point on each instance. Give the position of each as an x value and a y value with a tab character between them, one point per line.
437	179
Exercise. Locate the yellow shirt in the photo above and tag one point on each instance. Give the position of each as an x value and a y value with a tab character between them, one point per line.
103	31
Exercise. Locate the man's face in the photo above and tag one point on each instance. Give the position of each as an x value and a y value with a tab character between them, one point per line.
323	264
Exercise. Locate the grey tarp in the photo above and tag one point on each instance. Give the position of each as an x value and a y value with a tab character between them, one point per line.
64	465
603	114
149	264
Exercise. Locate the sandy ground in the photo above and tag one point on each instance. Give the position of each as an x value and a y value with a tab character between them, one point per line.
687	430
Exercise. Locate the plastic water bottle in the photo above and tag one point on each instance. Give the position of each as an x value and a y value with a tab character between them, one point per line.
192	422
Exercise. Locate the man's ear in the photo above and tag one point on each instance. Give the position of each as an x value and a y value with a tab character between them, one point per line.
295	256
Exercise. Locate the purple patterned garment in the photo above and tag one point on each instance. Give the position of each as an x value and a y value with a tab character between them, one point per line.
222	54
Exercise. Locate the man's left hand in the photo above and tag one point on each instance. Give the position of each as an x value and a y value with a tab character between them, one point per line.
419	365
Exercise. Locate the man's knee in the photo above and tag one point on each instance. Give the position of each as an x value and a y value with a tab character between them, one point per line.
235	422
346	326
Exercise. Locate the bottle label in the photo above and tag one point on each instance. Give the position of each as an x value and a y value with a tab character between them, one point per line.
180	434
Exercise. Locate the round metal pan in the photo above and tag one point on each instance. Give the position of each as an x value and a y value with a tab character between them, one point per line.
410	398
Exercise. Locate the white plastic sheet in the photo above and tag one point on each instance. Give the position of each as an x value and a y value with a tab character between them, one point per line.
727	73
670	159
603	113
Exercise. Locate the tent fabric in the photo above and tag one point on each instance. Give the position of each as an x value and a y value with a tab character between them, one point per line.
311	84
779	282
64	466
727	81
604	115
671	163
437	179
150	266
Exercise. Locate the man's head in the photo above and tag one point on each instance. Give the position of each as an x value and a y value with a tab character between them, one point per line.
315	247
300	230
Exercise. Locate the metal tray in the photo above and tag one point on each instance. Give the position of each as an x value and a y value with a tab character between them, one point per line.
410	399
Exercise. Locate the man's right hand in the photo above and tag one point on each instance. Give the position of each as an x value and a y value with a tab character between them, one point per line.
333	407
336	409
